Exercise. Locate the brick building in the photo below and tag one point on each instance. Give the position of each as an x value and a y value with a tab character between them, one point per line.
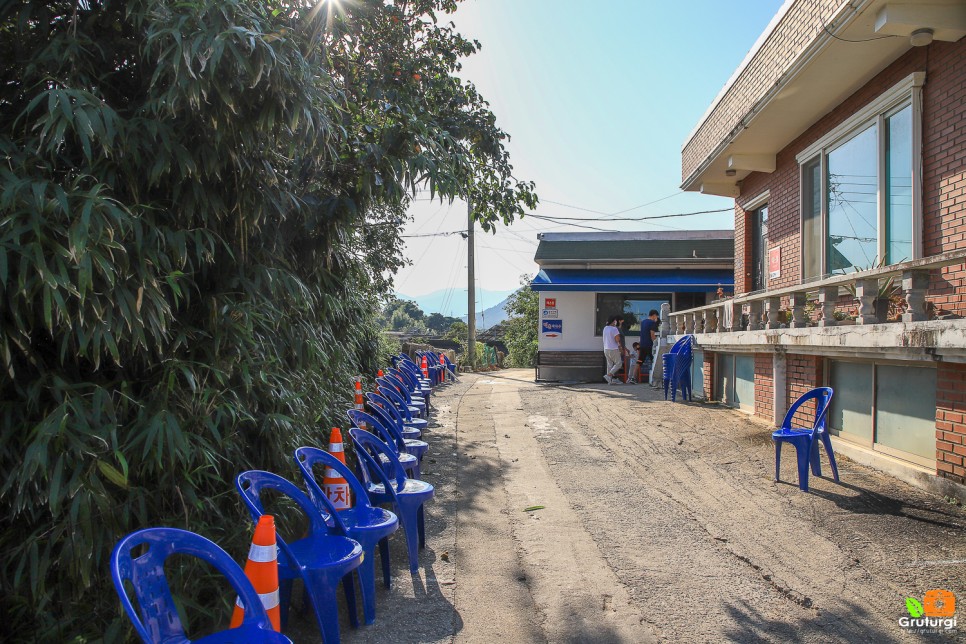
842	138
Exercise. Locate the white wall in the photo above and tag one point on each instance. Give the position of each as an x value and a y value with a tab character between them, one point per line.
578	311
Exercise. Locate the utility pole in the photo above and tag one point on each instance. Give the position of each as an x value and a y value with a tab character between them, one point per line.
470	286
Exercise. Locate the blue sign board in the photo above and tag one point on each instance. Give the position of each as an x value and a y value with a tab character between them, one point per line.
551	328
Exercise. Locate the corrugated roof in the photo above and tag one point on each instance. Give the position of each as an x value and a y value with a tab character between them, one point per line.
642	250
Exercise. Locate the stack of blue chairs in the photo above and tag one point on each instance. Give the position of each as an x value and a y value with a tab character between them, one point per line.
677	368
340	543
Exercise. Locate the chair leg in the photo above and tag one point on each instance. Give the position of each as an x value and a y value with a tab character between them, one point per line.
384	556
815	459
412	539
367	583
421	526
827	442
326	607
778	460
802	452
350	599
285	598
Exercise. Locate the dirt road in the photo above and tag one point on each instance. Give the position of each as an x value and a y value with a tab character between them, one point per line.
660	522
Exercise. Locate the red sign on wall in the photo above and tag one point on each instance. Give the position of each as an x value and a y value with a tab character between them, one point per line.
549	302
775	262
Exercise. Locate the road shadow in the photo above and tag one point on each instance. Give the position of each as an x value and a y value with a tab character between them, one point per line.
854	624
866	501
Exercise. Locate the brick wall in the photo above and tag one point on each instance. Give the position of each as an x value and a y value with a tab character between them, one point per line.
804	373
944	168
795	32
951	421
944	174
764	386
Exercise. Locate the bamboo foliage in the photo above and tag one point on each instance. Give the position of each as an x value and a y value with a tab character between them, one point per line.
199	216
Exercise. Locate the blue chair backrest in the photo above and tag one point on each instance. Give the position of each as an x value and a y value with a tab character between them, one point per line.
408	373
413	369
307	458
365	446
392	438
386	409
822	397
401	381
393	396
682	343
250	485
156	616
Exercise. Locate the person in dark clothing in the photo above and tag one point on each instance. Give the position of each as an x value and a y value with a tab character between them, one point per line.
648	338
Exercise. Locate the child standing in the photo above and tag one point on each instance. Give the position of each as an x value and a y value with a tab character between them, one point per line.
634	368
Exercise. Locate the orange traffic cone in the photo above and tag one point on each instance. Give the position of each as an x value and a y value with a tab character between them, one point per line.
360	404
380	374
262	571
425	367
442	364
334	486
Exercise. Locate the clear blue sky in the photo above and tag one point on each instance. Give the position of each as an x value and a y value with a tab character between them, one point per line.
598	99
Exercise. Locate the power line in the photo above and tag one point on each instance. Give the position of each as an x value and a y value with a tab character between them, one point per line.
451	232
558	219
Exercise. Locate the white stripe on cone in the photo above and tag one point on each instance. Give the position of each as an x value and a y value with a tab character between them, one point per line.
269	600
263	554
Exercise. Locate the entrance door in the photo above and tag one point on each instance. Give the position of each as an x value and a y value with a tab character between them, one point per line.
759	248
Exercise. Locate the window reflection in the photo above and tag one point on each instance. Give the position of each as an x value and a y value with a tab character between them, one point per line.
899	186
852	204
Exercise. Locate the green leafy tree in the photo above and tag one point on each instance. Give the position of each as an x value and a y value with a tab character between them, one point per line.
458	331
439	323
200	204
523	308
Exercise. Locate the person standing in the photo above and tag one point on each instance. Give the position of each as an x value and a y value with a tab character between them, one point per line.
612	352
648	338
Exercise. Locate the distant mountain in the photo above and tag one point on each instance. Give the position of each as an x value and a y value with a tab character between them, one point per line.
452	303
491	316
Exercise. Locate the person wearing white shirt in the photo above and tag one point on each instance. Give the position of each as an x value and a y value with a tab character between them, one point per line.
612	351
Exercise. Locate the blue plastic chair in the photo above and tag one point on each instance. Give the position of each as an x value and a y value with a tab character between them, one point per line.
385	408
156	617
806	440
395	380
432	365
407	495
414	375
320	559
450	367
418	385
677	362
391	394
409	462
390	434
367	525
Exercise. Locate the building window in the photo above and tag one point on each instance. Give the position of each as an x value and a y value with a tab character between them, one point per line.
759	248
735	381
633	306
861	187
871	407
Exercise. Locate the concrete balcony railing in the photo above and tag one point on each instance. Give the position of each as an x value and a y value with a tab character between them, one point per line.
764	310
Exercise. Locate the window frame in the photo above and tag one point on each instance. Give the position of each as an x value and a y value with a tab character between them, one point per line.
907	92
